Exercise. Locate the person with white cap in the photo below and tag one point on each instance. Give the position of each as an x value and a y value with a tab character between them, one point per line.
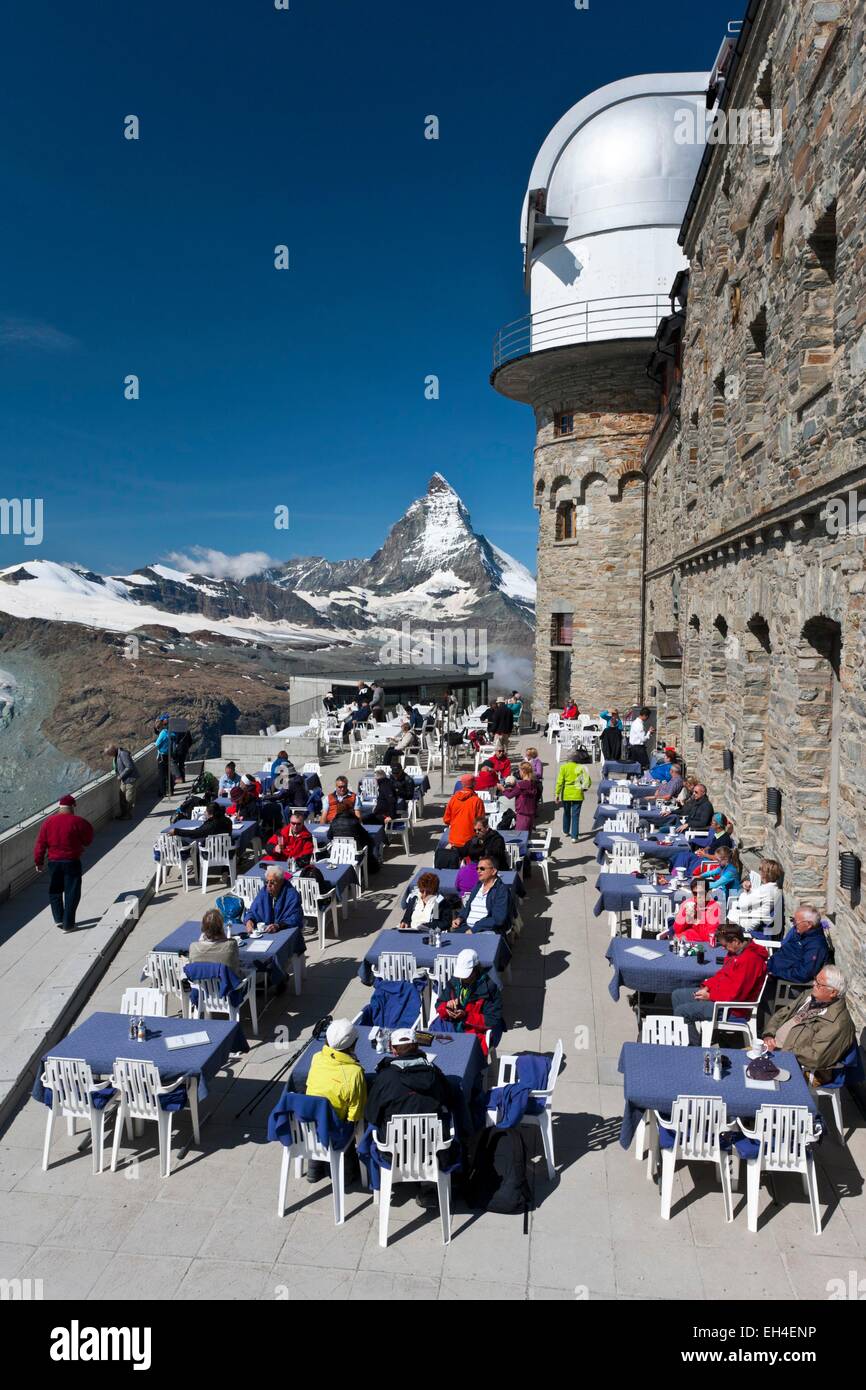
471	1002
337	1075
407	1083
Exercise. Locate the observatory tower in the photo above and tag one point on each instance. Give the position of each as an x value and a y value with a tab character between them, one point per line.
606	198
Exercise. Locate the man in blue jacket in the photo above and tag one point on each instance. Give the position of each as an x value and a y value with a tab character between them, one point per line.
804	951
489	905
277	904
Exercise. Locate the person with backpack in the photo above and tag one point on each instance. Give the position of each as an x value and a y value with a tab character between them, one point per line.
572	783
471	1002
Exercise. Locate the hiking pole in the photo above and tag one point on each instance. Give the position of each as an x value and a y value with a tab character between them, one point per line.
318	1030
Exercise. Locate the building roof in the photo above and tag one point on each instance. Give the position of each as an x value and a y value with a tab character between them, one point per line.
613	160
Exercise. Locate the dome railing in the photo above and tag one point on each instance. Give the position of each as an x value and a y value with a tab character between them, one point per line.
588	321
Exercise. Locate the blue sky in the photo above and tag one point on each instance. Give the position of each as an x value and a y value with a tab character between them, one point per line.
261	388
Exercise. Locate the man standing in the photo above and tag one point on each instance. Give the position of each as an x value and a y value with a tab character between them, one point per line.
377	703
639	735
461	813
62	838
501	724
127	776
163	758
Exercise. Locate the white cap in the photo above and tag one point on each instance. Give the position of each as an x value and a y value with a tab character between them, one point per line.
341	1034
464	964
402	1036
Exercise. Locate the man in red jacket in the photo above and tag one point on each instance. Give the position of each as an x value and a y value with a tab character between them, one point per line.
294	841
61	839
740	978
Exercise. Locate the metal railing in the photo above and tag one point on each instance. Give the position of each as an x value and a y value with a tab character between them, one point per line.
589	321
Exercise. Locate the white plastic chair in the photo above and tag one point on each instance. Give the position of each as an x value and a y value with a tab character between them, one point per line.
399	829
310	768
623	858
140	1001
413	1141
217	852
305	1148
396	965
70	1081
441	972
619	795
654	914
723	1021
434	751
316	903
140	1090
667	1030
164	969
247	888
343	850
785	1134
173	854
515	854
199	813
697	1124
368	788
508	1074
539	853
625	823
211	1002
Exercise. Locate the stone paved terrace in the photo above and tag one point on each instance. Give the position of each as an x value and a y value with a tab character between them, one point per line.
212	1224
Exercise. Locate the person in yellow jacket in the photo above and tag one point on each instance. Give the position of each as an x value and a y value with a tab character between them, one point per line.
572	782
337	1075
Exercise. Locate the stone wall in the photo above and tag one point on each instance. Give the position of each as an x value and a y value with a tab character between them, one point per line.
742	556
597	467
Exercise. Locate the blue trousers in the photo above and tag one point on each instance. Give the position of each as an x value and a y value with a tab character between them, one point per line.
692	1010
571	818
64	890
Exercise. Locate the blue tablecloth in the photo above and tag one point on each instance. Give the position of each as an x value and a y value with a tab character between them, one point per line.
605	838
662	975
603	813
654	1075
616	892
493	950
511	837
339	876
241	834
281	945
457	1055
375	831
624	769
103	1037
448	878
639	791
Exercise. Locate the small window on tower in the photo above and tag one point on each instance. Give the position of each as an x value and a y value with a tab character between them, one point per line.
564	423
565	527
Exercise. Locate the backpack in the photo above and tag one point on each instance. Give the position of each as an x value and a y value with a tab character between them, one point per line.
206	784
498	1173
508	819
446	858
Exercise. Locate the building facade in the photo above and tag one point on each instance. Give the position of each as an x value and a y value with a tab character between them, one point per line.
754	556
606	197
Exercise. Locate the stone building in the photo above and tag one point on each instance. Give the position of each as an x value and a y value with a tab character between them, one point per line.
753	568
606	196
710	560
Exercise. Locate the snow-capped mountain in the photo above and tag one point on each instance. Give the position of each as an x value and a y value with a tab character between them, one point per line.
432	568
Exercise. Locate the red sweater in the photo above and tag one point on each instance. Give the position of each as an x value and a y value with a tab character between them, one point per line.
62	836
741	976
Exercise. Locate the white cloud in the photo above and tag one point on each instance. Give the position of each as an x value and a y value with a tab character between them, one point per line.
32	333
199	559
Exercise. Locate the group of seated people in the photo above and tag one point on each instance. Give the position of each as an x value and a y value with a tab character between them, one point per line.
487	905
407	1081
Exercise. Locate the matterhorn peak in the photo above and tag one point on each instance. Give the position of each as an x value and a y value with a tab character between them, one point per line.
439	483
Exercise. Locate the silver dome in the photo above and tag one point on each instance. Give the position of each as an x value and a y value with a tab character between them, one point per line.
613	161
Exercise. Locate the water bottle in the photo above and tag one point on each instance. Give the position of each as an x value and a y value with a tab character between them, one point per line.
142	1031
717	1065
133	1031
